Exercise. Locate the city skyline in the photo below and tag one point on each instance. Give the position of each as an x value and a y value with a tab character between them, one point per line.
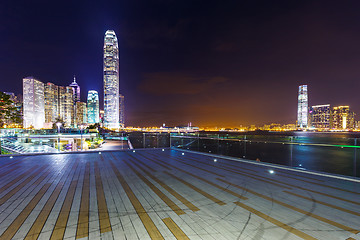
213	67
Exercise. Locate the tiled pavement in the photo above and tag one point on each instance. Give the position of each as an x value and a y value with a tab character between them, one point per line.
155	194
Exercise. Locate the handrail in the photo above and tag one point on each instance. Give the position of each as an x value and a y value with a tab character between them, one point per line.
277	142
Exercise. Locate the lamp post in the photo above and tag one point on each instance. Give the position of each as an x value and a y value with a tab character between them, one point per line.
81	132
58	124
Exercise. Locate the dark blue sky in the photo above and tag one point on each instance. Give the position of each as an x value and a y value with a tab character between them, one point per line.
214	63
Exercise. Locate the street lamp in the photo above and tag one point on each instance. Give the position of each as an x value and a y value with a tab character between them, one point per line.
81	132
58	124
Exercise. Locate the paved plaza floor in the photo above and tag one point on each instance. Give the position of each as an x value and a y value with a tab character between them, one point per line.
170	194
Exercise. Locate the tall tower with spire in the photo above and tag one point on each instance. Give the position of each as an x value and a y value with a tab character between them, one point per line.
76	91
111	80
76	98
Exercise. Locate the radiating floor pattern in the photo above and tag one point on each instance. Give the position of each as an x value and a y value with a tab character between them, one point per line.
169	194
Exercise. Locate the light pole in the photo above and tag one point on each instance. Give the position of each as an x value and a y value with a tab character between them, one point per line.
81	132
58	124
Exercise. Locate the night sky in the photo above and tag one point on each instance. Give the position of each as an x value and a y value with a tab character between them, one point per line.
212	63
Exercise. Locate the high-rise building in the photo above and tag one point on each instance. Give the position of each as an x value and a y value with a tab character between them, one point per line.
122	111
66	105
76	91
320	116
111	80
302	113
76	98
51	103
33	103
101	116
93	107
17	104
81	113
342	118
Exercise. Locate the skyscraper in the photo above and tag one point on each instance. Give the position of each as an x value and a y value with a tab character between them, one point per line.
111	80
320	116
81	113
51	103
76	98
342	118
66	105
34	104
302	113
76	91
93	107
122	111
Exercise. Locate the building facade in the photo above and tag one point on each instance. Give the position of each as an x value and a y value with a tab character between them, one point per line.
33	103
76	91
81	113
66	105
320	116
76	98
93	107
17	111
51	104
111	80
122	111
302	112
342	118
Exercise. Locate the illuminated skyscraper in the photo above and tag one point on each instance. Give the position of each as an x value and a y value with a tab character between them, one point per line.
342	118
34	104
51	103
66	105
76	98
320	116
81	113
302	113
111	80
93	107
76	91
122	111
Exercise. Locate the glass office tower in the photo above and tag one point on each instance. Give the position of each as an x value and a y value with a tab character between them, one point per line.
33	103
93	107
111	80
302	114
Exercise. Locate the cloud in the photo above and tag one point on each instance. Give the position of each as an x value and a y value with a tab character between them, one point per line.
175	83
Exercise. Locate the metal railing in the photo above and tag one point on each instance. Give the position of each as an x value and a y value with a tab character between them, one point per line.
323	154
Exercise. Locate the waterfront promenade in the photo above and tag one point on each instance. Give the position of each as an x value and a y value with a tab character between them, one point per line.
169	194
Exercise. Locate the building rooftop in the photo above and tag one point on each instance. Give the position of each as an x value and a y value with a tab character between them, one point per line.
170	194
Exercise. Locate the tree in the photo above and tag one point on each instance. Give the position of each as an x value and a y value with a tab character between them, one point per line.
58	120
94	126
9	114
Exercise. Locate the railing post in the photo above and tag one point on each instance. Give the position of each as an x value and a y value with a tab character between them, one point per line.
122	141
244	146
354	170
144	140
157	140
291	151
198	142
170	140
